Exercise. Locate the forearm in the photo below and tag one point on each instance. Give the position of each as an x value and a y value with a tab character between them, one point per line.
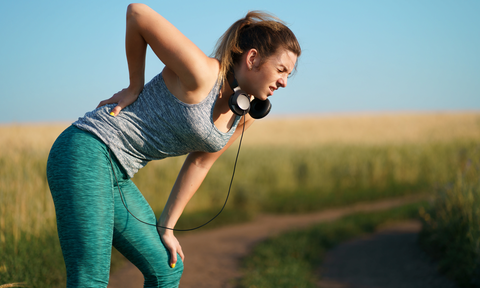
136	49
191	175
188	181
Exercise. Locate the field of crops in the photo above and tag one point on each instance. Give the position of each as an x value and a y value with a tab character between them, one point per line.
286	165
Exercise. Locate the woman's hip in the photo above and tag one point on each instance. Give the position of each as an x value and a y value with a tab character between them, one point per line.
79	158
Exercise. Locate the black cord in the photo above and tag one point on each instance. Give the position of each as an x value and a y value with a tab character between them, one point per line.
174	229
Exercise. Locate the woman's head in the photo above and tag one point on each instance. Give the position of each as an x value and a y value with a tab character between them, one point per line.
260	31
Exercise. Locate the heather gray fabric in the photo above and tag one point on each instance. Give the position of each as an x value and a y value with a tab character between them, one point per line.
157	125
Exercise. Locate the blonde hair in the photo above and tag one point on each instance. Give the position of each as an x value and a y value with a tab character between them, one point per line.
259	30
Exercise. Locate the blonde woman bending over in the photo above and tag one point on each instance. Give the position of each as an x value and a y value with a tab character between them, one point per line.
183	110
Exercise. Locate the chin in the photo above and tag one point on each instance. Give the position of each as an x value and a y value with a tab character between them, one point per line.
263	97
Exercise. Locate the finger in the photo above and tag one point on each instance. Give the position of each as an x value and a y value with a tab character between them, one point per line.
102	103
122	104
110	100
114	112
173	258
180	252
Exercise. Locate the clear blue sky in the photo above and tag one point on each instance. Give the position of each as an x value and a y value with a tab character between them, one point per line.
58	59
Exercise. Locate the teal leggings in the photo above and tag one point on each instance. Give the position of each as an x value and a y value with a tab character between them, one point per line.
91	216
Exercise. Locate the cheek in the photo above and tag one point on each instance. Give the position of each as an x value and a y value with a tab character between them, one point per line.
257	82
262	79
254	83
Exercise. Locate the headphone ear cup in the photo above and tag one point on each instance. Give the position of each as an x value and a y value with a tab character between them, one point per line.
239	103
259	108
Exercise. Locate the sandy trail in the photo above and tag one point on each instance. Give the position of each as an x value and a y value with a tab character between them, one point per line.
389	258
213	256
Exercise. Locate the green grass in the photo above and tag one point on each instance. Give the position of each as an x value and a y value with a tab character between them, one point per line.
271	179
36	261
451	231
291	259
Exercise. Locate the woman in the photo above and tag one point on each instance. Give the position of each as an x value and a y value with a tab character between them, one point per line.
183	110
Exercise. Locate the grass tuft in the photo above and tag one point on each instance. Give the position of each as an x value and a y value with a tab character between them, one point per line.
451	231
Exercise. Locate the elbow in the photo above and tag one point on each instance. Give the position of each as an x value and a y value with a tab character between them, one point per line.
200	160
134	9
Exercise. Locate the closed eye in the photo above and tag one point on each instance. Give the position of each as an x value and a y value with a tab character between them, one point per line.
284	70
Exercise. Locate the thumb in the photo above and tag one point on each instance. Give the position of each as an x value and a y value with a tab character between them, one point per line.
173	258
122	104
114	112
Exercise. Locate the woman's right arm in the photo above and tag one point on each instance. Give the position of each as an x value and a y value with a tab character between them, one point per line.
135	49
190	177
180	56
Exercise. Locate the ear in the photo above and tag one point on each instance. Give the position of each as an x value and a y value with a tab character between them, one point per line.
252	59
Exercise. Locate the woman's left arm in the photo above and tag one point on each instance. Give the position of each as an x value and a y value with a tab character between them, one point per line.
191	176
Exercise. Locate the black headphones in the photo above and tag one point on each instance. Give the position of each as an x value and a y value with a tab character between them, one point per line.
240	103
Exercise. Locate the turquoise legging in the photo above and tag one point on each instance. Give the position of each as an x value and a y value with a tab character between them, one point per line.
91	217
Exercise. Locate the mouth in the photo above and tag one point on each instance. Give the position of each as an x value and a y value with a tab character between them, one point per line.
272	89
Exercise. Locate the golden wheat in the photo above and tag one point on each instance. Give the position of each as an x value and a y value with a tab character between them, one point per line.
13	285
370	129
25	202
305	130
39	137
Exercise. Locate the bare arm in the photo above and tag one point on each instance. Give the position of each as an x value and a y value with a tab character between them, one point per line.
183	59
192	174
135	49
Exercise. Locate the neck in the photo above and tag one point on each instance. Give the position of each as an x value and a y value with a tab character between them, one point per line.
232	81
232	84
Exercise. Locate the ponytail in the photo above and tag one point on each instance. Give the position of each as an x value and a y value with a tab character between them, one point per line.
259	30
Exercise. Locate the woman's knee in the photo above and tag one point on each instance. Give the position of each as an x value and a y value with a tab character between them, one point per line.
163	275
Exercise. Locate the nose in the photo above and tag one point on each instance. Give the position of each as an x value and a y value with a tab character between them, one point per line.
282	82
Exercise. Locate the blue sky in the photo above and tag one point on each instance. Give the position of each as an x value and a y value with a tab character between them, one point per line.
58	59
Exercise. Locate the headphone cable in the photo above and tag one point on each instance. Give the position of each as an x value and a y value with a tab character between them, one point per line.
190	229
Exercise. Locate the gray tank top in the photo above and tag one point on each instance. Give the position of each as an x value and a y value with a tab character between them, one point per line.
157	125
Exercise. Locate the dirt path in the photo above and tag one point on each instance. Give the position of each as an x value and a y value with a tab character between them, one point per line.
388	258
213	256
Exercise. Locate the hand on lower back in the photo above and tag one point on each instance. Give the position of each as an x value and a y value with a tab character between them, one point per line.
122	99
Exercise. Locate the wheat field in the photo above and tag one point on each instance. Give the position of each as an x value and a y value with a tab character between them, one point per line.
25	147
287	164
367	129
303	130
24	196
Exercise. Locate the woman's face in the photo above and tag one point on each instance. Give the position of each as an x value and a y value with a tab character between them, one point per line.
261	80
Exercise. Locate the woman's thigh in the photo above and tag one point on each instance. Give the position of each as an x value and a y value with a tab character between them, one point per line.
140	243
79	176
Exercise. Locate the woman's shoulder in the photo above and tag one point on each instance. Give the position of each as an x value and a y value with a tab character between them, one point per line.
188	94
